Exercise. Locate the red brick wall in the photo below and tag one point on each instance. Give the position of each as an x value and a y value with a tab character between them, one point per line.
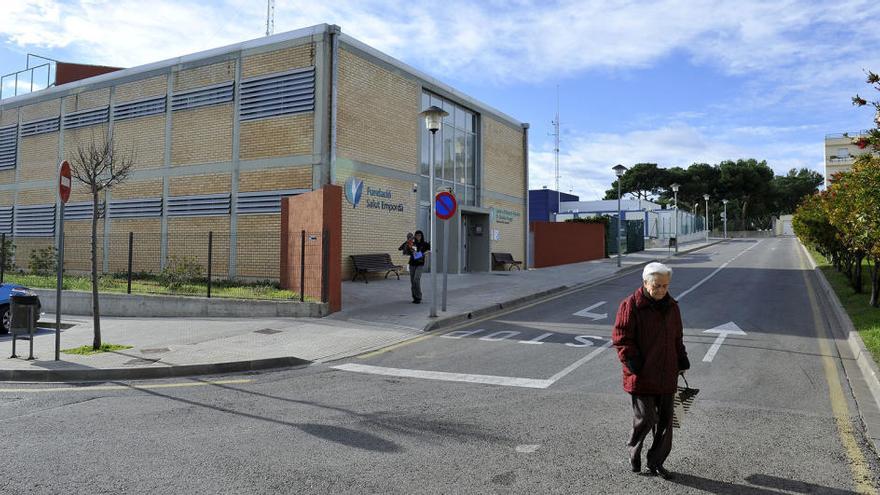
314	212
560	243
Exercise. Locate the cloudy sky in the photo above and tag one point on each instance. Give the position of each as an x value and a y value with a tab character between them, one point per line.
669	81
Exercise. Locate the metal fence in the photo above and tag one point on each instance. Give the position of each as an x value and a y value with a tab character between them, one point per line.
194	263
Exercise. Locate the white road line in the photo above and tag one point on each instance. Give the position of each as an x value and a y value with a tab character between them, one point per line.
527	449
444	376
701	282
102	388
579	362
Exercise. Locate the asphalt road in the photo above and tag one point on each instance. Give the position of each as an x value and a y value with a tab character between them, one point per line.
526	402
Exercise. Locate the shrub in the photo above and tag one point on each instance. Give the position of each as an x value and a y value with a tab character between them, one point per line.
43	261
179	271
9	252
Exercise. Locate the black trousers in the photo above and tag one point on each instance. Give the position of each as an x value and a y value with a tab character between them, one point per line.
415	281
652	413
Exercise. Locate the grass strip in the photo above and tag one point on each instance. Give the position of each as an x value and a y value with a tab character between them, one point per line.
87	350
865	318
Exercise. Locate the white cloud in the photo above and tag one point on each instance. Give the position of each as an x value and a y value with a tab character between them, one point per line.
585	164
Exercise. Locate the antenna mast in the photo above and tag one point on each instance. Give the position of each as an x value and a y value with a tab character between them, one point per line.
556	150
270	17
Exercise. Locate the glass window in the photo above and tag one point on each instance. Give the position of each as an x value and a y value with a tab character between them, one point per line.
470	160
426	150
448	152
424	188
426	101
459	156
460	117
450	108
469	122
471	198
438	153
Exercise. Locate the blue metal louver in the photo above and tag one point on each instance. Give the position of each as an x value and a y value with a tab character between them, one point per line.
278	94
210	95
136	208
35	221
8	146
264	201
139	108
81	211
6	216
86	117
35	127
201	205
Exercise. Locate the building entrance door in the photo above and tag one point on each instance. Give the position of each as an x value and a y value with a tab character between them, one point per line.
474	241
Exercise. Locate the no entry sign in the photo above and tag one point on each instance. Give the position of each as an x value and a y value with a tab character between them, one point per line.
64	181
445	205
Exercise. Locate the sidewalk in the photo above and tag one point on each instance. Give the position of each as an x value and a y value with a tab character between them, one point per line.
375	315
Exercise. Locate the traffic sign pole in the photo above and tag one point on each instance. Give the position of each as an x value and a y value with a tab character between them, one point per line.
64	186
445	206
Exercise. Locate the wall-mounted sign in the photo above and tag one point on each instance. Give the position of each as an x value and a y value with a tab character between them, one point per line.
354	187
377	198
506	216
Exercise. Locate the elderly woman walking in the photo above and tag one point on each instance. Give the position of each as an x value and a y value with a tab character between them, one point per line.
648	338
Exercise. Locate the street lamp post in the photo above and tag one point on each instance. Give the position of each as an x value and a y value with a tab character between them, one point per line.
618	170
706	197
433	119
675	186
725	217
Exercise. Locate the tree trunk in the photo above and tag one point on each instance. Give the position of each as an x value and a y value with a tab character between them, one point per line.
745	208
96	315
875	282
857	274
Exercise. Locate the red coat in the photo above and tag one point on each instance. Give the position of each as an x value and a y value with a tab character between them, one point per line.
648	334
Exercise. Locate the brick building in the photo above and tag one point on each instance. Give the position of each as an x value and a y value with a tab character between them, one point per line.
218	137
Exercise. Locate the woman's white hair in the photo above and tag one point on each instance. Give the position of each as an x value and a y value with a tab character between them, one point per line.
655	268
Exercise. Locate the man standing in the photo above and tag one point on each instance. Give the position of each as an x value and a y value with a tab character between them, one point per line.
648	338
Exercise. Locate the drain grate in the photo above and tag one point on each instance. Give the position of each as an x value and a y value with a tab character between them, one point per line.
159	350
267	331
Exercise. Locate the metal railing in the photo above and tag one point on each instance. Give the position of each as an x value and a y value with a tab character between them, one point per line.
15	76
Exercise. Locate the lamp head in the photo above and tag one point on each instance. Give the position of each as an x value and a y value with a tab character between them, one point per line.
619	170
675	186
433	117
706	197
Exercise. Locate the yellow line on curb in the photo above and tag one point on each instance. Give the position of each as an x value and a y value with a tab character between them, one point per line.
101	388
861	472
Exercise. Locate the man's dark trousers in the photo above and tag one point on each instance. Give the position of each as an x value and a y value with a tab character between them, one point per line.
415	280
652	412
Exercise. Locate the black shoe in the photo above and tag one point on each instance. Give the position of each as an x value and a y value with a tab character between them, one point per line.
660	471
636	465
417	301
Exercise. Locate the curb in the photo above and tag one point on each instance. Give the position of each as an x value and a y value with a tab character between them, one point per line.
523	300
105	374
869	381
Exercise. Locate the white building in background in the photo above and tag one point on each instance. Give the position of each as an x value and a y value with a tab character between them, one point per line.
659	223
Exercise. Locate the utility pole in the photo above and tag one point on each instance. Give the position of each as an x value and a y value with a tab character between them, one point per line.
270	17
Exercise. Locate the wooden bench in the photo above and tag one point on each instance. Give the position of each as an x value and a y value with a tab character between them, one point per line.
505	259
379	262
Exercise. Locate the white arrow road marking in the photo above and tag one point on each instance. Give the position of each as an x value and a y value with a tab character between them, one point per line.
723	331
585	313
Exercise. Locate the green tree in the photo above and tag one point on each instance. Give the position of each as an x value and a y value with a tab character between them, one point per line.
747	184
864	218
872	138
789	189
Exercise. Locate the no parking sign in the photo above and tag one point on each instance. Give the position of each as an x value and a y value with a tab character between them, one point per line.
445	205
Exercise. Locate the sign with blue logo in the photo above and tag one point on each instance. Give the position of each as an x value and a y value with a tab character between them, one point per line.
354	187
445	205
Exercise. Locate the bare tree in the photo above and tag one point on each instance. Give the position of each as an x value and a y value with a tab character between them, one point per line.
99	165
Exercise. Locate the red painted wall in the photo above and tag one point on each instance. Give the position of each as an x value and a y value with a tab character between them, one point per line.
66	72
561	243
314	212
